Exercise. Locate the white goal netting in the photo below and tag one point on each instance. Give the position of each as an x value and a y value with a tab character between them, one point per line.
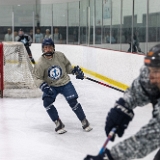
18	78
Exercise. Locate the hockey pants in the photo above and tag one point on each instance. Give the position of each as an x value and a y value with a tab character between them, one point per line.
70	94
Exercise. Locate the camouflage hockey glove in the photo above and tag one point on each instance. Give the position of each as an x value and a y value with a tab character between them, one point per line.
105	156
78	72
119	117
46	89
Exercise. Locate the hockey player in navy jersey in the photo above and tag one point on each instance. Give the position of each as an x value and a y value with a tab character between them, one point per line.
51	75
144	90
26	40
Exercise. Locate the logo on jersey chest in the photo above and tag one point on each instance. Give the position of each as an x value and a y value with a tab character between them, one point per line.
54	72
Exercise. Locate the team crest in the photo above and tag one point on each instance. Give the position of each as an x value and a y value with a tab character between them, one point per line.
54	72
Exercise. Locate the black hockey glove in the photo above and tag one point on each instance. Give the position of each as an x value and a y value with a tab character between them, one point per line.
46	89
119	117
105	156
78	72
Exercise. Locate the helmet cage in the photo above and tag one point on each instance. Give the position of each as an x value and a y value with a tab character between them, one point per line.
48	41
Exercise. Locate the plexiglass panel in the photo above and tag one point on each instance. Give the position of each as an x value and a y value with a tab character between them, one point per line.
107	19
73	22
98	23
84	22
127	9
139	28
125	25
46	21
23	18
6	24
116	37
60	22
153	23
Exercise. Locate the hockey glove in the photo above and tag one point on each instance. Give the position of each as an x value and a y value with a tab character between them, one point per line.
46	89
118	117
105	156
78	72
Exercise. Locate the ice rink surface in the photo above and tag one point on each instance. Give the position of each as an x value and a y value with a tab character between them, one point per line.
27	133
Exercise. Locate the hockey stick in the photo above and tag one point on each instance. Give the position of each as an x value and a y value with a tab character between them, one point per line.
103	84
111	134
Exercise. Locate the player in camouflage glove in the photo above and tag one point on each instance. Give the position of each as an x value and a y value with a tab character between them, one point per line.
144	90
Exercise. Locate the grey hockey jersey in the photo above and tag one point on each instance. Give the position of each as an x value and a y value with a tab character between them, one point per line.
147	139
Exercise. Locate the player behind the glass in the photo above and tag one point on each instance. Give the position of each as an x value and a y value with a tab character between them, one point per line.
145	89
26	40
51	74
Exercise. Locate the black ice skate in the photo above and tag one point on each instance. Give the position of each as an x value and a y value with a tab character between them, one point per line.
86	125
59	127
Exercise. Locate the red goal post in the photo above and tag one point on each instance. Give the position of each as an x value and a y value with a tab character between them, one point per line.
1	70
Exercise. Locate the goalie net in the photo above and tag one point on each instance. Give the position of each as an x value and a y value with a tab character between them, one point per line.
17	79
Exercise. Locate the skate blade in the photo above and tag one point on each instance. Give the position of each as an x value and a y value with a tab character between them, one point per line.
87	129
61	131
